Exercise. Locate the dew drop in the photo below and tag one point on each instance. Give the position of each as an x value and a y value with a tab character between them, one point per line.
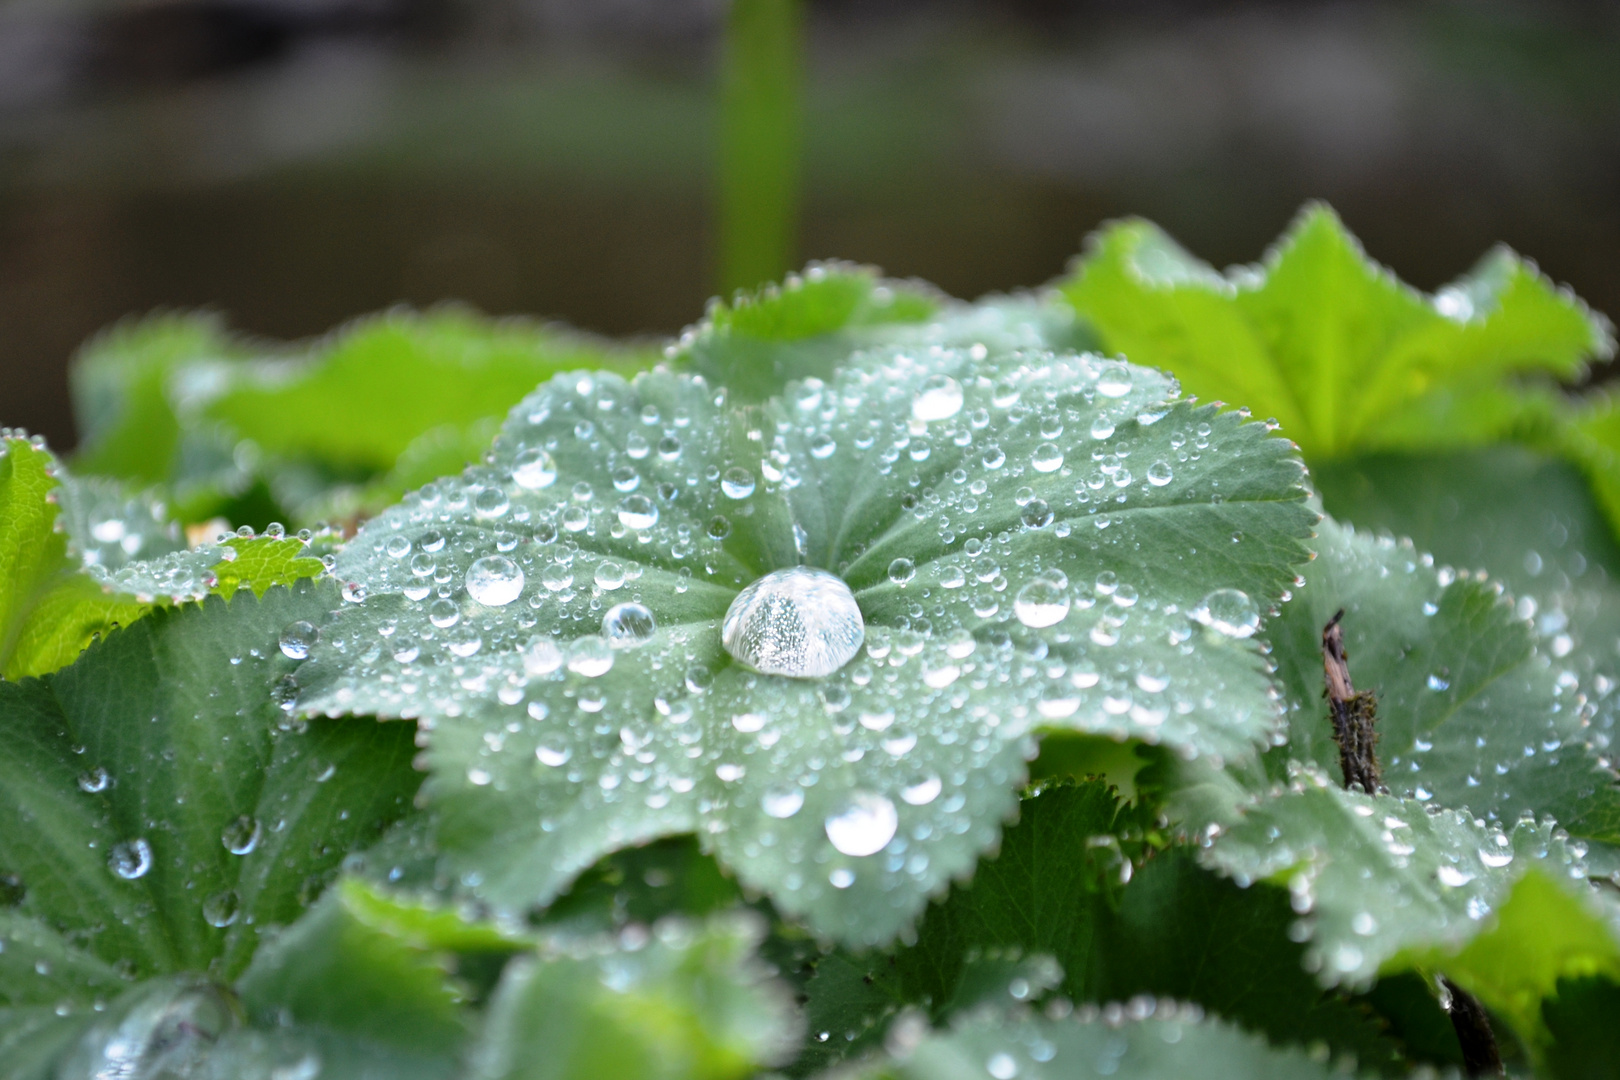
1037	514
131	859
1113	380
241	836
923	791
1102	427
297	639
221	909
939	399
737	483
1159	473
553	752
902	571
800	622
541	656
1001	1066
864	825
1229	612
1041	603
443	614
591	657
534	469
491	503
609	575
1047	458
494	581
94	781
783	802
638	512
628	624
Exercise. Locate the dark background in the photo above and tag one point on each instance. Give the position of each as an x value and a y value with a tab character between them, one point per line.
293	163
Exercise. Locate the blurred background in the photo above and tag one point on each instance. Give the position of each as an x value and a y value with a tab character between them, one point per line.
294	163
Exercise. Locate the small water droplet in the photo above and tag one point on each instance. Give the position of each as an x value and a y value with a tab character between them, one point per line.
800	622
221	909
297	639
864	825
1001	1066
1047	458
923	791
553	751
1159	473
591	657
94	781
783	802
1041	603
638	512
241	836
609	575
737	483
1438	683
1229	612
533	469
940	398
130	859
902	571
628	624
1113	380
494	581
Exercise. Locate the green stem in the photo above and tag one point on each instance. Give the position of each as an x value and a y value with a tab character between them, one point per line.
760	131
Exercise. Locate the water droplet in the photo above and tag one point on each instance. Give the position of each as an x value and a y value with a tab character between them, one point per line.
1229	612
902	570
822	446
221	909
1047	458
737	483
541	656
1113	380
553	751
800	622
1102	427
1041	603
591	657
397	547
864	825
494	581
297	639
94	781
1438	683
609	575
491	503
922	792
638	512
1001	1066
628	624
1453	877
130	859
241	836
443	614
939	399
1037	514
783	802
533	469
1159	473
1496	858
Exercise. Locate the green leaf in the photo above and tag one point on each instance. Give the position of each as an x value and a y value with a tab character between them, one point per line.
685	1002
262	562
1580	1018
1469	713
49	611
1174	931
541	766
1332	345
1384	883
1161	1038
805	327
1592	436
131	775
124	399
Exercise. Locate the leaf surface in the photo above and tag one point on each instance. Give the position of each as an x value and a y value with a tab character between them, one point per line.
1332	345
551	748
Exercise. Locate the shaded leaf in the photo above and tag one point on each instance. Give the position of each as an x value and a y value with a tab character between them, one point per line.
688	1001
1580	1017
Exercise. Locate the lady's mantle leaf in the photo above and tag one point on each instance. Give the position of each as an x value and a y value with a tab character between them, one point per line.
1380	880
687	1002
1330	343
1469	713
69	569
1593	439
1032	541
1158	1039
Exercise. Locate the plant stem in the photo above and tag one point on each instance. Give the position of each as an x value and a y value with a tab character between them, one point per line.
1354	714
1474	1034
760	133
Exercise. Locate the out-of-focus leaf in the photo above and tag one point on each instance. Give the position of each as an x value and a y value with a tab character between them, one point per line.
1332	345
687	1002
1585	1038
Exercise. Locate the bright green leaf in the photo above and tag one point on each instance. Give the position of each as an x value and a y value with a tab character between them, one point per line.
685	1002
1332	345
655	493
1592	435
261	562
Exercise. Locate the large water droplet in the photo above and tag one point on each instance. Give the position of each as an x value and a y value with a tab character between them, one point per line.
800	622
628	624
737	483
902	570
1113	380
1047	458
494	581
939	399
1041	603
864	825
297	639
923	791
130	859
534	469
638	512
1229	612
